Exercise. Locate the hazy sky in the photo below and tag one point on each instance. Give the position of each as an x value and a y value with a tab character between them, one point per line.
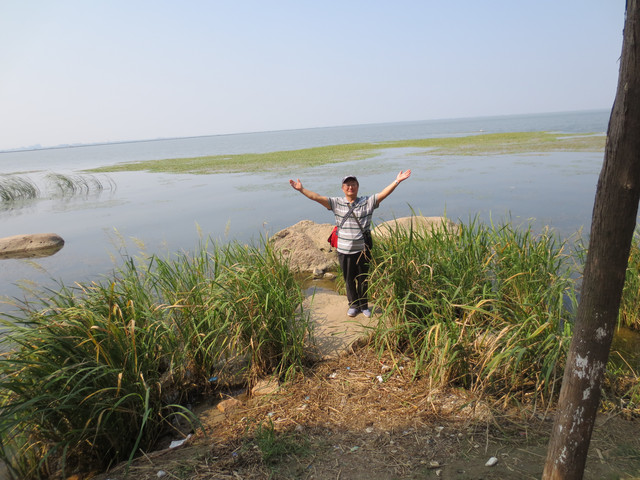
79	71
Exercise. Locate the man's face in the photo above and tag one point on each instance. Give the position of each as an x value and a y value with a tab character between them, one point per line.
350	187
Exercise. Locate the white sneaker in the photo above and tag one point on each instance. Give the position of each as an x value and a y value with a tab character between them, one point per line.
366	312
352	312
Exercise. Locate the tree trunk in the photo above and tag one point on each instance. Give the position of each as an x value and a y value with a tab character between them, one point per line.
613	223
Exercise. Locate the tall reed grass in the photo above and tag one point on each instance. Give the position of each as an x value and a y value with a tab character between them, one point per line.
630	301
96	373
487	307
623	374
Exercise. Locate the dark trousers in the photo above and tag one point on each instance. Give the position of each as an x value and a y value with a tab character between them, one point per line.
355	270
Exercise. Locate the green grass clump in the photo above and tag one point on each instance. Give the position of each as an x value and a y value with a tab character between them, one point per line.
274	445
499	143
94	374
623	374
483	307
630	301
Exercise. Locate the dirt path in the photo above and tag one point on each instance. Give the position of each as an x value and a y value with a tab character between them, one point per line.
334	331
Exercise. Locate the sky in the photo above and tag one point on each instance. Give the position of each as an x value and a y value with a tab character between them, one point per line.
78	71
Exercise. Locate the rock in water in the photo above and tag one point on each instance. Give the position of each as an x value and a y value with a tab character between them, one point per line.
33	245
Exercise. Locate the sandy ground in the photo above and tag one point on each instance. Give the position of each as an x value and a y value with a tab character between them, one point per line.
334	331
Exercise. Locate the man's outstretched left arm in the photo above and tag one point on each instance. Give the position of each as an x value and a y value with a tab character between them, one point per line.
401	177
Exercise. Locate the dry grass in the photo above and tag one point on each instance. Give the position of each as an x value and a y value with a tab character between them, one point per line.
355	427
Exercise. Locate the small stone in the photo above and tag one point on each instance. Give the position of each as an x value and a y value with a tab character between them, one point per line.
491	462
179	443
265	387
228	404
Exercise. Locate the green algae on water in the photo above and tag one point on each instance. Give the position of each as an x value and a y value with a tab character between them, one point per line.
485	144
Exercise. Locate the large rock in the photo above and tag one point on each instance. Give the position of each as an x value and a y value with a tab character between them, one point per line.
27	246
304	245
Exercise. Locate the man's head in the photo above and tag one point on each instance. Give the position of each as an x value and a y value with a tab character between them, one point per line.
349	178
350	186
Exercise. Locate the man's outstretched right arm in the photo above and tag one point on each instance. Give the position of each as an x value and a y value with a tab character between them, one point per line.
322	200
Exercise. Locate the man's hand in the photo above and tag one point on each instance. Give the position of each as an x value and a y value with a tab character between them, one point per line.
296	185
403	176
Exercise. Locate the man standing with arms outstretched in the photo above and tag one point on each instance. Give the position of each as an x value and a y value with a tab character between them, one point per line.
353	217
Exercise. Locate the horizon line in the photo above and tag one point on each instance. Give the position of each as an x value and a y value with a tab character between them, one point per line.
118	142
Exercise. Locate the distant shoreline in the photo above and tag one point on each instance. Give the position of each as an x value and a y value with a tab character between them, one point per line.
174	138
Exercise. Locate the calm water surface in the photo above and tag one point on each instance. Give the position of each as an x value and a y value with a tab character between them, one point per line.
161	213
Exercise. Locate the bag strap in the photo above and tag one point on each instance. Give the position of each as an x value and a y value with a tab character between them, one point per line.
357	221
344	219
350	212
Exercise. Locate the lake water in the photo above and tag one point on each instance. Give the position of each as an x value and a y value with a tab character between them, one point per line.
161	213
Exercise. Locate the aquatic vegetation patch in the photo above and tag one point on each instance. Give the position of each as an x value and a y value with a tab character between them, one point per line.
74	185
15	188
499	143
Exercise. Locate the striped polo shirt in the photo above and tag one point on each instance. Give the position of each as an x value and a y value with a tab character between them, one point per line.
350	239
